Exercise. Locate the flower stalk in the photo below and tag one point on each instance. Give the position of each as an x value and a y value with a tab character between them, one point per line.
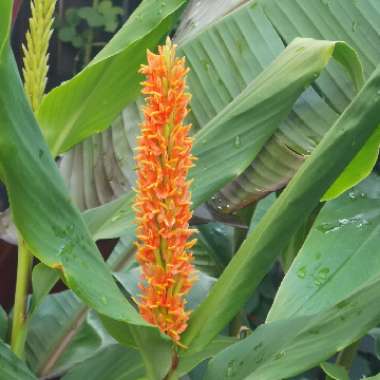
163	199
35	50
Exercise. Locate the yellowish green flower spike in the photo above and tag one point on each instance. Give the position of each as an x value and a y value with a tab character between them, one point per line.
35	50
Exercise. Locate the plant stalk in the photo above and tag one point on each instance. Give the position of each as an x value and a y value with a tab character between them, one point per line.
90	40
19	325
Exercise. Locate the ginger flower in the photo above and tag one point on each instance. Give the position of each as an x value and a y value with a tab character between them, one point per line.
163	198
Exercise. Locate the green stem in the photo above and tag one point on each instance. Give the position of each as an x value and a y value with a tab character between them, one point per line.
346	357
19	326
90	40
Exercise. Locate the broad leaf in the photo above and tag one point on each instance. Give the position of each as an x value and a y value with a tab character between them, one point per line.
200	14
42	211
90	101
3	324
62	333
112	363
214	249
224	60
377	377
255	114
48	221
358	169
282	349
12	368
43	280
335	371
266	242
188	362
338	255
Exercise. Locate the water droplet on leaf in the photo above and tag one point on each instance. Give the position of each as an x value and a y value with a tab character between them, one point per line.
301	273
321	276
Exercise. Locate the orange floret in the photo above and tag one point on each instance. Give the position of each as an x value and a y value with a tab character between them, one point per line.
163	198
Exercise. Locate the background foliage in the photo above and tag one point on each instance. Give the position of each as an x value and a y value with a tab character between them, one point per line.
231	84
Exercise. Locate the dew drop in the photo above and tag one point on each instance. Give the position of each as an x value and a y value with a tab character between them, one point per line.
328	227
301	273
237	142
231	368
259	345
279	355
342	304
115	218
321	276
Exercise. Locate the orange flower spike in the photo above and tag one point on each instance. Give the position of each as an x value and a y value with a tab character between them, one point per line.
163	198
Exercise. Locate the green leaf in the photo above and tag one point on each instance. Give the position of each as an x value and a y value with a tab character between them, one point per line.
3	324
116	362
46	218
307	124
112	363
377	377
92	16
43	213
285	348
12	368
224	62
6	7
43	280
303	58
358	28
316	111
265	243
261	208
214	248
335	371
90	101
110	14
156	353
358	169
67	33
188	362
71	16
199	15
61	334
255	114
342	239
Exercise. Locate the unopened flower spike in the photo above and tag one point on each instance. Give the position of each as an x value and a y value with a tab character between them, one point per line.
35	50
163	198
